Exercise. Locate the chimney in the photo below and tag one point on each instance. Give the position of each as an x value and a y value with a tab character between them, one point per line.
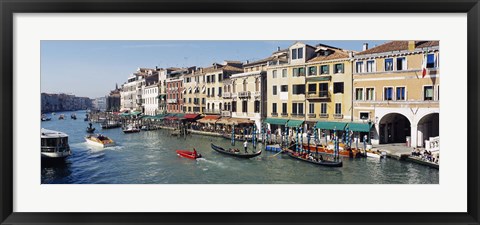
365	46
411	46
278	48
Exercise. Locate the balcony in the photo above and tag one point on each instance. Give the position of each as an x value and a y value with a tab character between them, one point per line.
172	101
244	94
257	93
323	115
284	114
317	95
311	115
338	116
226	114
274	114
227	95
212	111
298	115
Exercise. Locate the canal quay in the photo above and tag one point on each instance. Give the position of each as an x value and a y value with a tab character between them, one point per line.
149	157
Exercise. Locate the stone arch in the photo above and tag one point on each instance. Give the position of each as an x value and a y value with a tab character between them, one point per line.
428	126
394	128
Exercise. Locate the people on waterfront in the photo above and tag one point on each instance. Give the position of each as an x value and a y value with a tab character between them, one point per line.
245	145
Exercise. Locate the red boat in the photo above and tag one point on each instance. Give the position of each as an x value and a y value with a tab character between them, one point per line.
188	154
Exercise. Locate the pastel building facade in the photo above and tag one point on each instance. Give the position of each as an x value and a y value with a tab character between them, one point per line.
150	95
328	86
391	91
286	87
214	85
195	97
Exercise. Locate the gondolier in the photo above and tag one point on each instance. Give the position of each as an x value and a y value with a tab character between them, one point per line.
245	144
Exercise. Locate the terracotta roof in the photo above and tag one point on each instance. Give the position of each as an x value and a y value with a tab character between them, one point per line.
398	46
337	54
211	69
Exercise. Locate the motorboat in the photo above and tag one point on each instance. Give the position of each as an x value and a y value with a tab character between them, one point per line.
130	129
111	124
45	118
61	117
99	140
73	116
189	154
54	144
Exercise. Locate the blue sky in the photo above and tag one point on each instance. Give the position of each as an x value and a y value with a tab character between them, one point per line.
91	68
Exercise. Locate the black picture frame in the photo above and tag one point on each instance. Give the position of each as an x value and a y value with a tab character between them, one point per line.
9	7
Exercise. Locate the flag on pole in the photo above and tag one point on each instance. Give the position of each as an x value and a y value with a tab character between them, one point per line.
424	66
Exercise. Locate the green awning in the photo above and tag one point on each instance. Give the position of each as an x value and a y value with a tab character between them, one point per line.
328	125
180	115
320	78
276	121
125	114
294	123
136	113
159	116
360	127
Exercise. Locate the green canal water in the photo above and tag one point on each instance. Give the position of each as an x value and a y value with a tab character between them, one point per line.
149	157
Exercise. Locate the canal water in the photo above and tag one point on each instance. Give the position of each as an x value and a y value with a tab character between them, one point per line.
149	157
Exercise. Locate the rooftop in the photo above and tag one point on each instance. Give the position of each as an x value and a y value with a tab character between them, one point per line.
398	46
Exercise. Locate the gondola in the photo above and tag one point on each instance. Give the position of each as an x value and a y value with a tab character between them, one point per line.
321	163
236	154
90	129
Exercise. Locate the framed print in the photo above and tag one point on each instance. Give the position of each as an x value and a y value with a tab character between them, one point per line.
239	112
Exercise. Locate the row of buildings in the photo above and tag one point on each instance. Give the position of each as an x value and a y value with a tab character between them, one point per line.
63	102
390	92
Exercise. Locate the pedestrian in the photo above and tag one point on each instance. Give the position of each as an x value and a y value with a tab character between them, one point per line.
245	144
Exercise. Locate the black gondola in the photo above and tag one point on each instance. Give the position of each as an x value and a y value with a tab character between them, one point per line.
236	154
90	129
321	163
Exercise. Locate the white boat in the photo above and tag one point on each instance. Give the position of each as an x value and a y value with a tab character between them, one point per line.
54	144
377	155
99	140
130	129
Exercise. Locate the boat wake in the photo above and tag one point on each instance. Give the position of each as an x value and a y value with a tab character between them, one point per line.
115	148
219	164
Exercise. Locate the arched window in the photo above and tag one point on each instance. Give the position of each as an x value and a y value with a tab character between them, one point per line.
257	84
234	87
245	85
220	106
208	105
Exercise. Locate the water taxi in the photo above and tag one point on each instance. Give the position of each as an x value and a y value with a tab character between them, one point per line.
99	140
54	144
